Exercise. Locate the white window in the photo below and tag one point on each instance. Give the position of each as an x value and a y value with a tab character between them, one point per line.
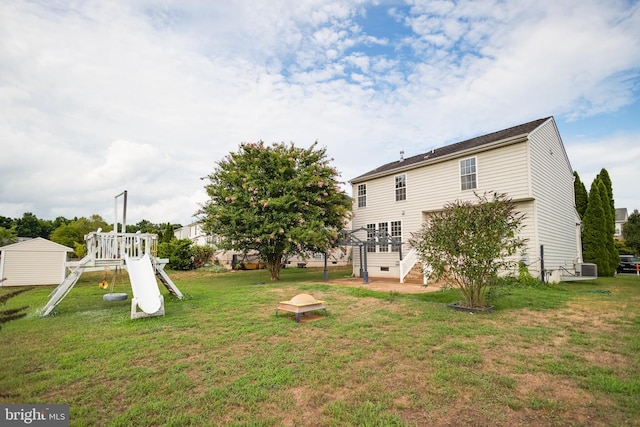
362	195
396	235
383	237
468	174
401	187
371	237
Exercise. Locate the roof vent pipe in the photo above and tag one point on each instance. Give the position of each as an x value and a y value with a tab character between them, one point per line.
401	156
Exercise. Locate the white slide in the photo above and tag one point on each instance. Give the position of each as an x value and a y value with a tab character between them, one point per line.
145	288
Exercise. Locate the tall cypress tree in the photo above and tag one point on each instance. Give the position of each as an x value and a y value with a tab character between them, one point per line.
580	194
610	206
608	202
595	231
167	235
609	219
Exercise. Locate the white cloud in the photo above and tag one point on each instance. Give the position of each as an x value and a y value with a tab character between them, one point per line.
589	156
107	96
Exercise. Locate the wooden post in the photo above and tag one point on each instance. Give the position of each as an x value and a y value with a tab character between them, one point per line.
326	272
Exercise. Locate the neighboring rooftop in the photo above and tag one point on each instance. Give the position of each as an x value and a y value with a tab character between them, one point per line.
523	129
621	215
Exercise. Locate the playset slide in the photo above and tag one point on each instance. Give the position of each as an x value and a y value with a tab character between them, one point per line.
146	294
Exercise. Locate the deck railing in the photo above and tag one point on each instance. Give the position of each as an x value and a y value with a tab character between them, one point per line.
114	246
407	263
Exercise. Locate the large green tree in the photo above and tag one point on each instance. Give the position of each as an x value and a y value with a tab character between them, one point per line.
8	236
469	244
277	200
6	222
596	231
30	226
580	194
631	231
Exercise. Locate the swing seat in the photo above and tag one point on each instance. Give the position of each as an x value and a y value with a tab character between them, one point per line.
114	297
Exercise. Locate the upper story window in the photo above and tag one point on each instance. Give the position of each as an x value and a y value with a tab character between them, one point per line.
401	187
468	179
362	195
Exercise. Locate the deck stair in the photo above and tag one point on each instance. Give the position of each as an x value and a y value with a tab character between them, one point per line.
415	275
411	268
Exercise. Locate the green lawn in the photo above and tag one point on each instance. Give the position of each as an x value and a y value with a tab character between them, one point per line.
565	355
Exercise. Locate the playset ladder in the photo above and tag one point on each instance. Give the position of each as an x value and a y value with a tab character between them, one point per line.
166	281
64	288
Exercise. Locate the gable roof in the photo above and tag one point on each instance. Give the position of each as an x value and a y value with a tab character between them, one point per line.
447	150
621	214
38	244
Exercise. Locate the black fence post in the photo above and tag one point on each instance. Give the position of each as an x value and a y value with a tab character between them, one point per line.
542	272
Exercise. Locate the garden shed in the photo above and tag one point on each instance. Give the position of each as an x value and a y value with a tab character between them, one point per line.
33	262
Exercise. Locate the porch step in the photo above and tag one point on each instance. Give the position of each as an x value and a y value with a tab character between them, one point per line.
415	275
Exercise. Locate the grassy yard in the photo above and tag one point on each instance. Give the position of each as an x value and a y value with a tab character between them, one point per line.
566	355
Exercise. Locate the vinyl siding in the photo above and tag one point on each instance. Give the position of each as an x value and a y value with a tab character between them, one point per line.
36	268
429	188
534	171
529	232
552	187
33	262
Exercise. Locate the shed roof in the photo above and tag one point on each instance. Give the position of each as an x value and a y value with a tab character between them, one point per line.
36	244
469	144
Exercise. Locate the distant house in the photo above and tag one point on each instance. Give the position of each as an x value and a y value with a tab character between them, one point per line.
621	218
528	162
33	262
193	232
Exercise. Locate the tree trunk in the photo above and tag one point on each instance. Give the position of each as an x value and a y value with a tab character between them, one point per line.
274	267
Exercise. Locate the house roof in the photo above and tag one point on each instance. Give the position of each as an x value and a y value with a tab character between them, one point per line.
458	147
38	244
621	214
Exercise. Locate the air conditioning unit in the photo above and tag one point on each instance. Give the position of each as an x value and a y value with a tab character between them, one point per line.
586	270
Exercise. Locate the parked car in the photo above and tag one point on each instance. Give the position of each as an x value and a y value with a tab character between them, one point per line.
628	264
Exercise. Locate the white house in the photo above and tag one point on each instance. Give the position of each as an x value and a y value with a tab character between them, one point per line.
33	262
621	218
194	233
528	162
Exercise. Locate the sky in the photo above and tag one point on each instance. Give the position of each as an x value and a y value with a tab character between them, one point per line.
147	96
